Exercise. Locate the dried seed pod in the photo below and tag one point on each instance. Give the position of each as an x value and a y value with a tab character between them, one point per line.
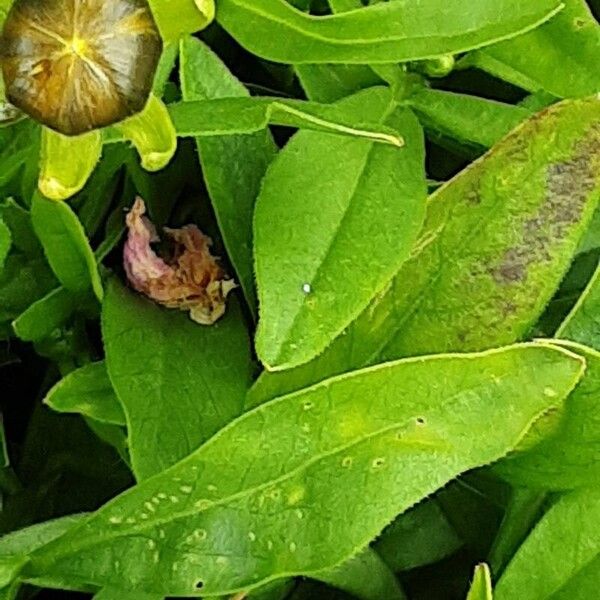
76	65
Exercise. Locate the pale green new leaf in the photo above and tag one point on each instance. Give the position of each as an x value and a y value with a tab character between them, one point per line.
234	165
384	33
560	57
88	392
481	586
178	382
335	219
498	239
65	245
253	503
561	557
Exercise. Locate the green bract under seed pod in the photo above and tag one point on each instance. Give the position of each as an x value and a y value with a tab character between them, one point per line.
76	65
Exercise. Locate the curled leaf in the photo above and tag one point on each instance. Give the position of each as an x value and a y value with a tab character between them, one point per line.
189	278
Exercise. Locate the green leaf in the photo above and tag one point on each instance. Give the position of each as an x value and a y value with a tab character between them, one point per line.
120	594
383	33
498	239
15	546
232	116
87	391
555	558
563	451
5	242
18	221
233	166
66	163
226	116
522	512
320	260
591	240
481	586
559	57
176	18
165	67
178	382
27	540
506	230
23	280
418	537
329	83
365	576
45	315
467	119
65	245
252	504
583	323
152	133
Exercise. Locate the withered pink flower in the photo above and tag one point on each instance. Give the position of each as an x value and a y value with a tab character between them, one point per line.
189	278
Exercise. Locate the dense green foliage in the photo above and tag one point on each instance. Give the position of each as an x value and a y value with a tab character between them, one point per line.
401	399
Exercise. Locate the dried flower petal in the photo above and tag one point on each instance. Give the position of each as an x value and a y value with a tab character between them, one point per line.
189	279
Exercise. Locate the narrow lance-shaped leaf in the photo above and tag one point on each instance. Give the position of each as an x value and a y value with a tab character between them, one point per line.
468	119
247	115
497	242
561	558
383	33
231	116
65	245
335	219
268	495
560	57
178	382
508	227
233	166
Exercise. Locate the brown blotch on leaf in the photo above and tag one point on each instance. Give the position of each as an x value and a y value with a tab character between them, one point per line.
188	277
568	185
